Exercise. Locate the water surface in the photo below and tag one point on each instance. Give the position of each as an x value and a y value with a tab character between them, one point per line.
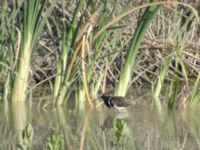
141	127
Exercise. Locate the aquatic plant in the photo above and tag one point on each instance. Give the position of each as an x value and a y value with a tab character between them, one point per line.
34	18
126	72
81	60
119	127
55	142
173	92
156	89
195	94
27	137
66	62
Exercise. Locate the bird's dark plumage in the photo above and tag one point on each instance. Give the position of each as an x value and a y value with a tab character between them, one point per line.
117	102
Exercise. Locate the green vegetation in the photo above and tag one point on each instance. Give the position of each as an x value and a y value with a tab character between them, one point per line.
195	95
27	137
126	73
66	62
76	49
31	29
55	142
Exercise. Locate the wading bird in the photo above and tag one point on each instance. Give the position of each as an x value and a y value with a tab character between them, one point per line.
117	102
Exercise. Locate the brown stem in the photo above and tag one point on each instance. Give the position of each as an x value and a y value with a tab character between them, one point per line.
84	73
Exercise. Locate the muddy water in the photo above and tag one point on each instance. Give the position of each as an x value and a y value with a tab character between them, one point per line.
140	127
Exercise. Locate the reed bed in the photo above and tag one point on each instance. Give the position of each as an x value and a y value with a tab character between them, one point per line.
83	47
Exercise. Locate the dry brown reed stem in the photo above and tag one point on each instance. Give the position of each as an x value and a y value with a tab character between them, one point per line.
18	47
83	133
85	84
131	10
89	25
73	62
43	44
47	79
186	53
78	42
45	75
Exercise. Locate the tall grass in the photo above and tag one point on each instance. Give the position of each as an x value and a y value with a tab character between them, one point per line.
66	62
195	95
125	75
88	46
175	61
160	81
33	23
82	55
8	37
173	92
89	39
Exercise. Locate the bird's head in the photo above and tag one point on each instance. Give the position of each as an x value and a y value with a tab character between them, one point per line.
104	96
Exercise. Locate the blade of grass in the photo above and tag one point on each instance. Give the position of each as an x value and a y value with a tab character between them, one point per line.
65	64
33	23
125	75
195	95
159	83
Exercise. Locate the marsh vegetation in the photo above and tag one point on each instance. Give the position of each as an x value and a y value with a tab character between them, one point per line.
61	54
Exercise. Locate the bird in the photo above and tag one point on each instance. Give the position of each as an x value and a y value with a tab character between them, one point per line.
116	102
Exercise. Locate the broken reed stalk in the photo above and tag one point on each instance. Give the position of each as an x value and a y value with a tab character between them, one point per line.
84	78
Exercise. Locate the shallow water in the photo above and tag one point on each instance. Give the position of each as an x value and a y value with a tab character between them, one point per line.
141	127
